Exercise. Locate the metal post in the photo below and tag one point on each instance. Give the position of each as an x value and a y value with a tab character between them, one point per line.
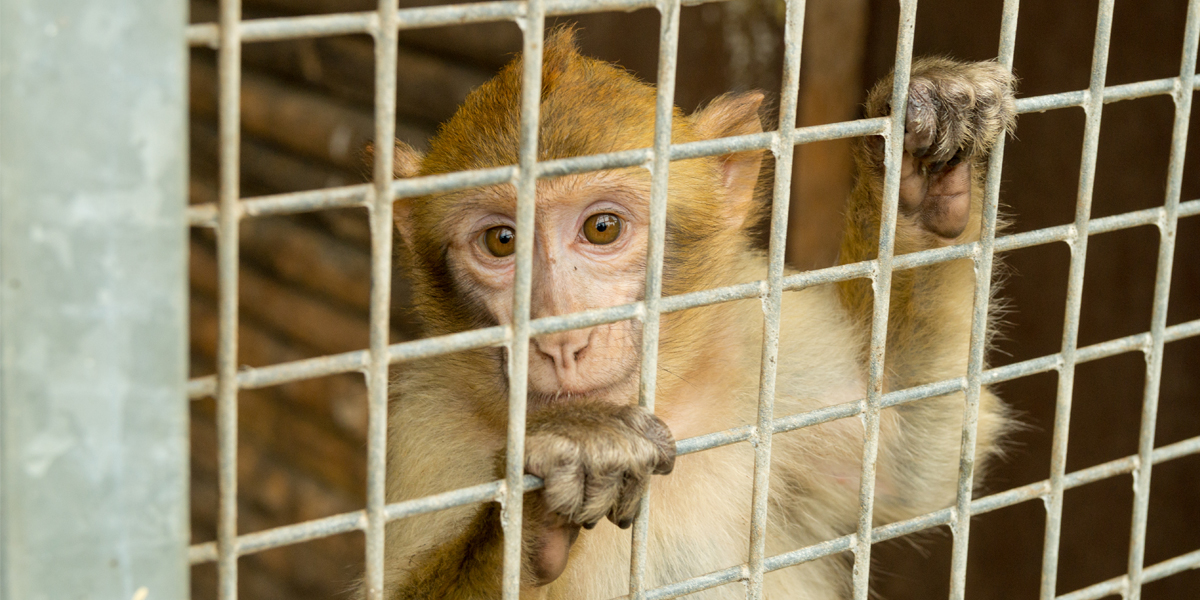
229	73
979	330
784	149
664	105
518	365
386	49
1167	225
882	281
93	293
1078	243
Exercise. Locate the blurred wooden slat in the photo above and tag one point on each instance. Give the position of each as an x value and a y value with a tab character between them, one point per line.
429	86
484	44
830	91
268	168
300	120
326	253
319	262
321	328
274	493
337	401
308	446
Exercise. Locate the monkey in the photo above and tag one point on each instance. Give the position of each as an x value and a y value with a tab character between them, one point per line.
586	437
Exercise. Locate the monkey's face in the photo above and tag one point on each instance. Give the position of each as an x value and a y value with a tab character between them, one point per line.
589	252
590	232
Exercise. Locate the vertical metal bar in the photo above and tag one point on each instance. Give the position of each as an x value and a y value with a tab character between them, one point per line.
979	324
784	148
533	25
229	73
1162	290
1078	243
882	281
664	106
385	34
93	299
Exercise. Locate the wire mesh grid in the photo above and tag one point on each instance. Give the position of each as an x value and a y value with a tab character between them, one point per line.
384	25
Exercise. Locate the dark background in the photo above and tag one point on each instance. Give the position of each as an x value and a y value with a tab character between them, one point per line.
305	278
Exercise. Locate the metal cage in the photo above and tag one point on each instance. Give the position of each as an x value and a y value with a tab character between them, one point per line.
230	33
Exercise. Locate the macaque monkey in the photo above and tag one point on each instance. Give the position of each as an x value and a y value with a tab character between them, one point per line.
586	436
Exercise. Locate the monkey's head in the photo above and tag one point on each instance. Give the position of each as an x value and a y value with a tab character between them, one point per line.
591	229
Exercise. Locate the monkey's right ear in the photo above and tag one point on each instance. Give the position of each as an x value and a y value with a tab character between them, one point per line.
406	162
727	116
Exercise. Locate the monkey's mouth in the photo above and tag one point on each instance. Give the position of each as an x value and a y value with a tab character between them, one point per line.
610	392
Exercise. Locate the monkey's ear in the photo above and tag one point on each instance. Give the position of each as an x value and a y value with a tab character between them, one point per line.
406	162
727	116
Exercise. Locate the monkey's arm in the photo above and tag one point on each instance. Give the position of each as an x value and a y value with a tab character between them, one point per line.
956	112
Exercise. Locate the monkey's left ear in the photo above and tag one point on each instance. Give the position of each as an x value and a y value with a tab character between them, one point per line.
406	162
727	116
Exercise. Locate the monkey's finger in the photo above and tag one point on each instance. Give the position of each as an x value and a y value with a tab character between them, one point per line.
563	489
601	492
662	451
626	509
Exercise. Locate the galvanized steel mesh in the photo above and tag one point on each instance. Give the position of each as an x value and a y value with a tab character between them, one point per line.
384	24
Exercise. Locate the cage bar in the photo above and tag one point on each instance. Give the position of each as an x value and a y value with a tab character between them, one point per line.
1168	226
229	73
380	211
882	285
660	165
783	148
518	349
93	300
204	215
984	252
284	28
1078	243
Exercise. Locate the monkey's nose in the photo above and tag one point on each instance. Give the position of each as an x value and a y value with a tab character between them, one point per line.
566	349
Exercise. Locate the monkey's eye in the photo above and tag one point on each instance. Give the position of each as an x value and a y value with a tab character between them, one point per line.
500	241
603	228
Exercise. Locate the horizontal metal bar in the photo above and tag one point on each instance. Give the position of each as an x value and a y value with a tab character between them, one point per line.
250	378
361	195
699	583
356	520
895	398
352	521
1118	585
1115	93
1120	466
358	360
938	518
944	517
283	28
204	215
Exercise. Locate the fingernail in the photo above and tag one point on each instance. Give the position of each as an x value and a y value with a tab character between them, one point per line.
625	523
591	525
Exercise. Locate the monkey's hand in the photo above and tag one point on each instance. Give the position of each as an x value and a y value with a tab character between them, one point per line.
956	112
596	460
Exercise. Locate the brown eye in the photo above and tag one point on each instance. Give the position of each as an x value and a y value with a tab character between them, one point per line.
602	229
500	241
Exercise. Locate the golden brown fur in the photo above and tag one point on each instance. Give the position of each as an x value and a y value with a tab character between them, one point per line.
448	414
